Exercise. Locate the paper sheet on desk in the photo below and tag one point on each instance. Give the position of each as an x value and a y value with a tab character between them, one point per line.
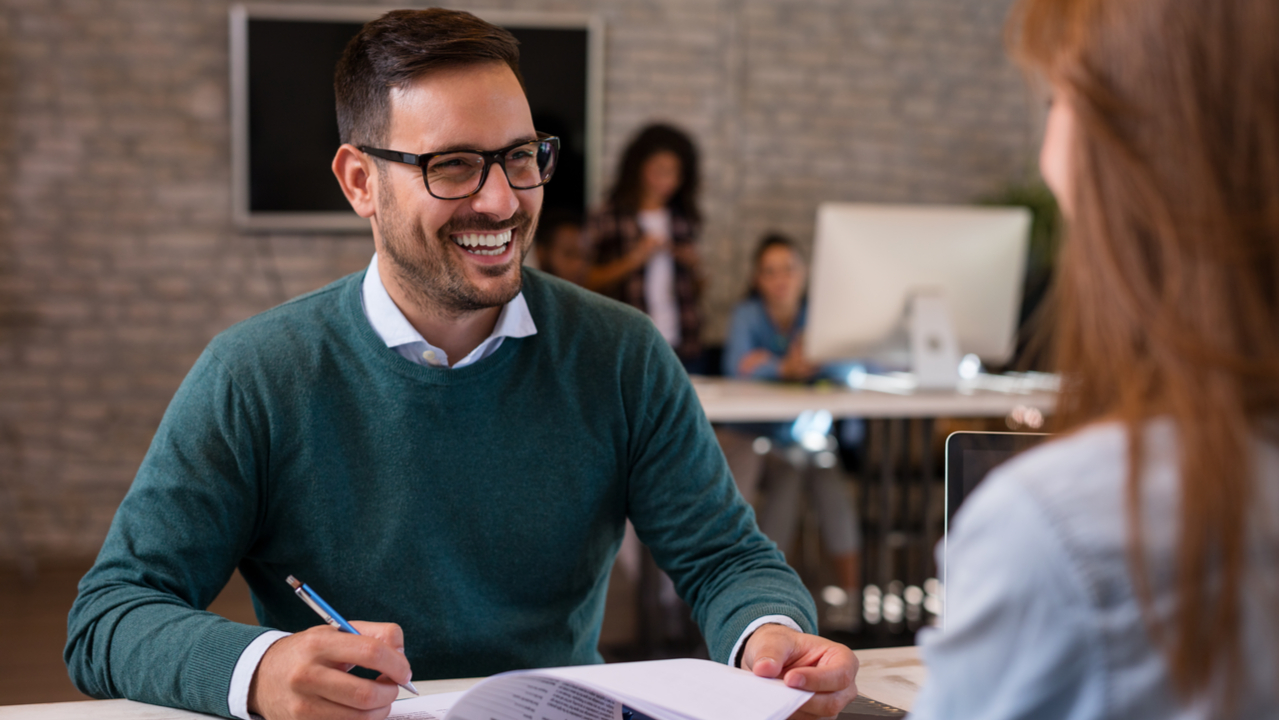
674	689
516	698
427	707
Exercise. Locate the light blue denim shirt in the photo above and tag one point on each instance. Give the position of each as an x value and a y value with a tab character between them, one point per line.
1041	619
751	329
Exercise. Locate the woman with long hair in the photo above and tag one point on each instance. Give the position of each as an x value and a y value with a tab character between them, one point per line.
1128	569
645	237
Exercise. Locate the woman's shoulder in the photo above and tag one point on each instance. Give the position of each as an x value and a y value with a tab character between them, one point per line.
747	313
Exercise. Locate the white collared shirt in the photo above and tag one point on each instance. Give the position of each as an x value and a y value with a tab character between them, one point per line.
395	330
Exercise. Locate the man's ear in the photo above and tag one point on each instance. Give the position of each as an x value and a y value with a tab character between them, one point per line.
354	171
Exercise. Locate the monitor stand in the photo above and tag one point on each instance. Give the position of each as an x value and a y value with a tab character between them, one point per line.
935	354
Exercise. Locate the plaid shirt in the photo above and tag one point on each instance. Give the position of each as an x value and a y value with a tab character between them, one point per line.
614	234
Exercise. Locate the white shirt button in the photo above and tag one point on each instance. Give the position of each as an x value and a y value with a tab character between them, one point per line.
429	355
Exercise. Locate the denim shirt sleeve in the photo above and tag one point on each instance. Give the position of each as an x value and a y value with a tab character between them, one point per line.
1017	639
746	333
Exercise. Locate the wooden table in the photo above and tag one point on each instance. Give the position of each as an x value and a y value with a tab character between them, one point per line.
890	675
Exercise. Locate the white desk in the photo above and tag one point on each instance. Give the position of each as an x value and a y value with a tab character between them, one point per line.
891	406
890	675
725	400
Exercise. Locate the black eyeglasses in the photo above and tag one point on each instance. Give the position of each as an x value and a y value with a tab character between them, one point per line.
461	173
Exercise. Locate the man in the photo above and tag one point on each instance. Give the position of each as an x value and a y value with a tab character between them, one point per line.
397	441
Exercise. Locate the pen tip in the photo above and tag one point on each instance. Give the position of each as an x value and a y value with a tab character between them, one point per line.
293	582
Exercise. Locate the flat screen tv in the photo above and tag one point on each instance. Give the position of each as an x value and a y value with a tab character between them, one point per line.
285	129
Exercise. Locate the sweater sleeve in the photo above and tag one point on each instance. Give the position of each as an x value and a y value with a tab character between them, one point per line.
687	510
139	628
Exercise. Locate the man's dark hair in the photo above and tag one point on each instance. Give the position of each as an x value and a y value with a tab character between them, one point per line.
400	47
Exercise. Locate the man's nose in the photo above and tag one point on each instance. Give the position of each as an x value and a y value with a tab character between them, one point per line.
496	198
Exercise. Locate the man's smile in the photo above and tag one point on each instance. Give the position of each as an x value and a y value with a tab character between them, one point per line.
483	243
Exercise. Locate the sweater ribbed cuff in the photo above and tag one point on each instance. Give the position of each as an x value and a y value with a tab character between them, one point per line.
207	678
740	620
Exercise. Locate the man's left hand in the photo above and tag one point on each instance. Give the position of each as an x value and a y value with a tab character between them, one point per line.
804	662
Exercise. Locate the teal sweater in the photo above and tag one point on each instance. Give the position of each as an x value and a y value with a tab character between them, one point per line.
480	508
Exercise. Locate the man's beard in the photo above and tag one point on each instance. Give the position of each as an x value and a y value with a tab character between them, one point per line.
434	276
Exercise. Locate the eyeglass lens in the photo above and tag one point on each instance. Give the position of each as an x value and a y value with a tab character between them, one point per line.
459	174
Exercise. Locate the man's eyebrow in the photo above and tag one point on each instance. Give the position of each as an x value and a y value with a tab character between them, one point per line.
520	140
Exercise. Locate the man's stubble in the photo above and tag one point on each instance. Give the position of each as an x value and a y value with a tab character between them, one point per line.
430	272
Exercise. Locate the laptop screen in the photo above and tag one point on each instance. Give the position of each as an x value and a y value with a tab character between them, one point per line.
970	456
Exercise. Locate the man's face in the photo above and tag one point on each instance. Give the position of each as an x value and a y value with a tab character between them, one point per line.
456	256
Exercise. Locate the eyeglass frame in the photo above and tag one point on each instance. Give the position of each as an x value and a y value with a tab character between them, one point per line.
490	157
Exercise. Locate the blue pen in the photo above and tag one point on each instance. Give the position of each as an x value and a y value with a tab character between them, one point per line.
329	615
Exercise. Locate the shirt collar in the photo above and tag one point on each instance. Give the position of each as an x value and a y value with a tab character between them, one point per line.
394	328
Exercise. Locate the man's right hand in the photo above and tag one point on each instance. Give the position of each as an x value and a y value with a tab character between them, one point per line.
304	676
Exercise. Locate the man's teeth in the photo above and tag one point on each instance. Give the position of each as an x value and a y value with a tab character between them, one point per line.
484	243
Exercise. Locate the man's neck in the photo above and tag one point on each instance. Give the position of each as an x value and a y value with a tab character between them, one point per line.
457	334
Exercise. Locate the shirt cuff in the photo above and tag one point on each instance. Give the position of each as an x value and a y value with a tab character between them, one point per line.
742	639
242	676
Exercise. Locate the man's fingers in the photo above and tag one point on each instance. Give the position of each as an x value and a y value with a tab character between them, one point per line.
317	708
367	652
834	672
389	633
767	667
768	651
354	692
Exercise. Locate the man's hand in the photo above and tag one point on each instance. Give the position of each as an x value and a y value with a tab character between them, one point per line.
304	676
804	662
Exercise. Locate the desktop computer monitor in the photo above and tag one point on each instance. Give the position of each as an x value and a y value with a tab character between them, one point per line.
873	263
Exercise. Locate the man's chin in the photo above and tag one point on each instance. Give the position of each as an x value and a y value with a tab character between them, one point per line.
495	285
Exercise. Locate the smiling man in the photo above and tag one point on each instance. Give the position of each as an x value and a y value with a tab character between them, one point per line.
445	446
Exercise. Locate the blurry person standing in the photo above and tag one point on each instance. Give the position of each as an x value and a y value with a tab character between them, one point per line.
645	238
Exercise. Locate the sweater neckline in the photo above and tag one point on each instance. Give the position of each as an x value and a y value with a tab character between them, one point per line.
373	346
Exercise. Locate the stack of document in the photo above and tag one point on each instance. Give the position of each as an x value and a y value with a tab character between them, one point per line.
683	689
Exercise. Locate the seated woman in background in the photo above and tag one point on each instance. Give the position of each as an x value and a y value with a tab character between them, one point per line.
644	238
559	246
1128	569
765	342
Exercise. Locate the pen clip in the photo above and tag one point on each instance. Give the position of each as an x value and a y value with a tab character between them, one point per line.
306	598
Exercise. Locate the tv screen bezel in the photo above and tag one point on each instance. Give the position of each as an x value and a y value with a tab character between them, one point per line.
348	222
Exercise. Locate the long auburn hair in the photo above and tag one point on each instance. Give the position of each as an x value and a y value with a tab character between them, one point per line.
651	140
1167	285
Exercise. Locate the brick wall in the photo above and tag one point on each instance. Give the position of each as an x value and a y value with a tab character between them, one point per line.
118	260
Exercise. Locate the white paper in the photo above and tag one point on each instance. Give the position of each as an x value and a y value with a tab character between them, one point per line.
677	689
427	707
533	697
687	688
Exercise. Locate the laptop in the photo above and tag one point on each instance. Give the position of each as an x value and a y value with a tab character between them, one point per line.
970	456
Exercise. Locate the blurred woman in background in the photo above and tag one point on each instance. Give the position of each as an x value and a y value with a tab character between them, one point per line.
766	342
1128	569
645	238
